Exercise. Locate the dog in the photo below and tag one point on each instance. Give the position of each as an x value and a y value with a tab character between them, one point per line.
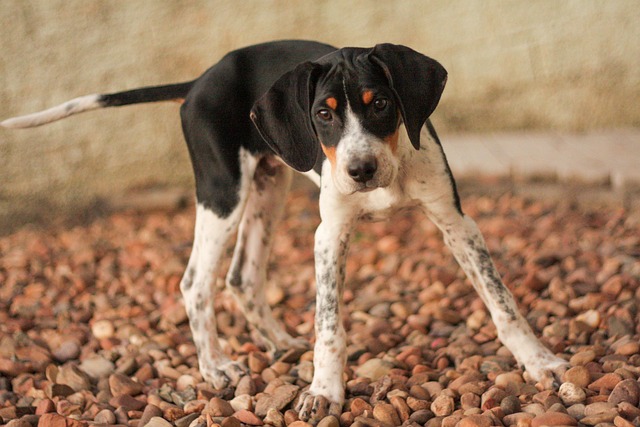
356	122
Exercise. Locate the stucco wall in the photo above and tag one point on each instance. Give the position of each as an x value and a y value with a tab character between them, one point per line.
545	64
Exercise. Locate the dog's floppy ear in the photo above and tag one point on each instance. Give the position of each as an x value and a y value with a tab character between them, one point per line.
417	81
283	117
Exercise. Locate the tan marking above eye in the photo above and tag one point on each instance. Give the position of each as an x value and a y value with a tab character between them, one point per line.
367	97
332	103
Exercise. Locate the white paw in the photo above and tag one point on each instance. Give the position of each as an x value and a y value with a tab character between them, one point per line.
546	369
312	408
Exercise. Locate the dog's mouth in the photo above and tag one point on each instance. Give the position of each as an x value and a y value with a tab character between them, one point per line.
366	189
369	186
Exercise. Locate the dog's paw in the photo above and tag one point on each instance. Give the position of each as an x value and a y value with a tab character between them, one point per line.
224	374
546	370
313	408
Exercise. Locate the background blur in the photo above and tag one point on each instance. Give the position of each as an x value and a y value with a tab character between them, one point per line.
569	66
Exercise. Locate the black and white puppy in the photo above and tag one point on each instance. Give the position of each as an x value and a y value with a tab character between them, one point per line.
355	120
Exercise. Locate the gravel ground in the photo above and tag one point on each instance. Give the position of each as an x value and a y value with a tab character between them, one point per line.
92	329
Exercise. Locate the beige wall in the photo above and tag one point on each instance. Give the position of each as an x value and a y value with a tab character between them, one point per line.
566	65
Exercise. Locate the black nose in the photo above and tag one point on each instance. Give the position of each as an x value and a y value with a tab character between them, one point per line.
363	170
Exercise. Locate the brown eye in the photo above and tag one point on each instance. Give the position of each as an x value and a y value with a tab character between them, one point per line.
324	114
380	104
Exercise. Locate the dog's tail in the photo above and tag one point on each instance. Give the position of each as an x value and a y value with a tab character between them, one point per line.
172	92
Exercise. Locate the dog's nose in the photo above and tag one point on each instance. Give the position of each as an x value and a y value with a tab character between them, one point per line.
363	170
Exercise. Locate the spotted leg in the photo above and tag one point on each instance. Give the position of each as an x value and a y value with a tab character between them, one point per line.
247	275
326	393
197	286
465	241
214	226
463	238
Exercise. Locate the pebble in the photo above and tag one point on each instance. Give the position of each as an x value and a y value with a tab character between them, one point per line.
605	417
374	369
621	422
469	400
127	402
45	406
245	386
510	405
476	421
58	390
105	417
605	410
591	318
102	329
571	394
127	365
503	380
578	375
421	416
274	418
305	371
629	349
68	350
185	381
97	366
72	376
359	406
158	422
120	384
553	419
386	413
242	402
576	411
150	411
582	358
534	408
329	421
230	422
219	408
257	362
625	391
278	399
628	410
19	423
55	420
518	419
186	420
606	382
442	405
247	417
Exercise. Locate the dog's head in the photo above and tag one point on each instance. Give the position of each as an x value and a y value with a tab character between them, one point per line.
350	105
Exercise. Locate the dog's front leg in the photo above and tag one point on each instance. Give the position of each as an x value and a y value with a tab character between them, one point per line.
462	236
435	189
326	394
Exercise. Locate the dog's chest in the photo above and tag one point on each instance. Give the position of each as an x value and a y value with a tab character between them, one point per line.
380	204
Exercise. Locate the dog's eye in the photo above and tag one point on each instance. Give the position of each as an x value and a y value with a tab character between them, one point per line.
324	114
380	104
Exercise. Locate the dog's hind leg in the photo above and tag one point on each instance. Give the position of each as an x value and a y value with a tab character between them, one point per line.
223	178
198	287
247	274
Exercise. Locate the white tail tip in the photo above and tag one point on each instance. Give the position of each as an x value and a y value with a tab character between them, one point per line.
69	108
